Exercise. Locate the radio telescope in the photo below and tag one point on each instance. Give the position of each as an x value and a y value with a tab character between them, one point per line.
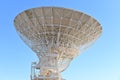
57	36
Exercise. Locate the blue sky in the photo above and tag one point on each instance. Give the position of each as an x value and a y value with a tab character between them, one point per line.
100	62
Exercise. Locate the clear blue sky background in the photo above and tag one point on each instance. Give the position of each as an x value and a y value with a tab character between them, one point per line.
100	62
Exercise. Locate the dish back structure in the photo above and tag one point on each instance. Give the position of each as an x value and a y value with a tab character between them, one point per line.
56	35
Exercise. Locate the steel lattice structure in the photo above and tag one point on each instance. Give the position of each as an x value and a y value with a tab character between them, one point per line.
56	35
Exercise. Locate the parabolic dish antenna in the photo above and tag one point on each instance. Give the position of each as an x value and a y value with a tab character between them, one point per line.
56	35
